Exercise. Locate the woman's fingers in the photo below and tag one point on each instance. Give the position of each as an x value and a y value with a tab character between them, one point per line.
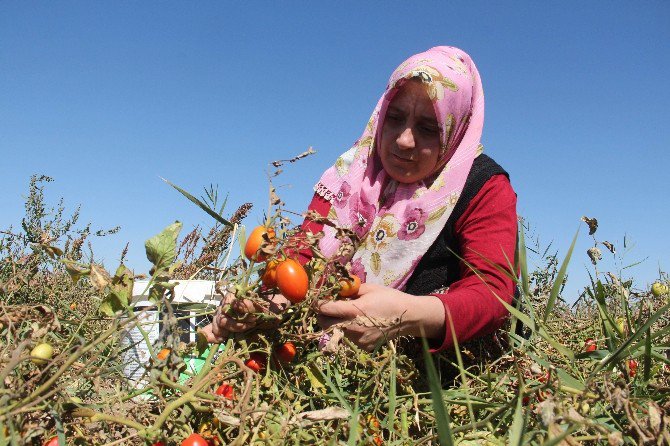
208	331
341	309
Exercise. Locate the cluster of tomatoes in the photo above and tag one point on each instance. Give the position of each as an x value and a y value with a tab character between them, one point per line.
288	275
283	354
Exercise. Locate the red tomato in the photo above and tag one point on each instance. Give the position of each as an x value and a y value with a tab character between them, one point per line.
350	287
194	440
590	345
163	354
292	280
53	441
286	352
226	391
158	443
256	362
254	242
632	368
269	277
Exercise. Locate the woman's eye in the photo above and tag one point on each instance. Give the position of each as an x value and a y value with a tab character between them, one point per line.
430	130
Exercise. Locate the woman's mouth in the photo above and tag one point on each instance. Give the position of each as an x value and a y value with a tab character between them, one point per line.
402	159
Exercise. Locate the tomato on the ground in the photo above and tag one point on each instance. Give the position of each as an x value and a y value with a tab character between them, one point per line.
41	353
292	280
590	345
350	287
286	352
254	242
632	367
194	440
256	362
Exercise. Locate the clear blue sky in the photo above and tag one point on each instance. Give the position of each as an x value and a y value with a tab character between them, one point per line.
107	96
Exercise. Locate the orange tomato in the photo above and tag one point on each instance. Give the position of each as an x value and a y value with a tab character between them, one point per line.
292	280
350	288
256	362
254	243
163	354
269	277
286	352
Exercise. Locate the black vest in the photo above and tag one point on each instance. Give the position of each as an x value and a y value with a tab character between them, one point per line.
438	268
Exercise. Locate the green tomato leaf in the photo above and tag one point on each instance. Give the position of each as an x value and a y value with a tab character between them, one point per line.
162	248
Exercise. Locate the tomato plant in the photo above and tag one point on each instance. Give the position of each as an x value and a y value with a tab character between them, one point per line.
590	345
195	440
350	287
254	242
256	362
292	280
286	352
163	354
41	353
226	391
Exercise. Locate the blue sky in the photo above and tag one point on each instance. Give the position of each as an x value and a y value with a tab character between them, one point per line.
107	96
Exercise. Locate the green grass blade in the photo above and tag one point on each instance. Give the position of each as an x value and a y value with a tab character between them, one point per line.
647	356
200	204
523	262
390	419
518	427
442	418
558	283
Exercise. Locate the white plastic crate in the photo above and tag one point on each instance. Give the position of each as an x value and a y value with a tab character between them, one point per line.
186	292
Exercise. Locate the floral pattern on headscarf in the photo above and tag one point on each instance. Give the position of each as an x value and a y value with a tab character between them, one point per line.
398	222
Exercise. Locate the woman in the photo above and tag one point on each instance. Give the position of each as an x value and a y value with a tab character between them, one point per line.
436	218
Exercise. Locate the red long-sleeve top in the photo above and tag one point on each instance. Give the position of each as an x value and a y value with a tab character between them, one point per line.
486	235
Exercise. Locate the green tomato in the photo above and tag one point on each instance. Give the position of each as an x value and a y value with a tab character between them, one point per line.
659	289
41	353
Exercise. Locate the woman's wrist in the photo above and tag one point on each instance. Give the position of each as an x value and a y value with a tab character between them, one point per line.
424	317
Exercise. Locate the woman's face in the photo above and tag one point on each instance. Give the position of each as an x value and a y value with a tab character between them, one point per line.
410	138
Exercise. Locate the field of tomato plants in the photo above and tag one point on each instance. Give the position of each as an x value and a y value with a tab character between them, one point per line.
593	371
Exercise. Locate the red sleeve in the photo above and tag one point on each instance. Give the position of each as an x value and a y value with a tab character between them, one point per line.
486	233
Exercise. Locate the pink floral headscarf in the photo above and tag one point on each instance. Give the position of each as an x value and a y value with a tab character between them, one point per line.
396	234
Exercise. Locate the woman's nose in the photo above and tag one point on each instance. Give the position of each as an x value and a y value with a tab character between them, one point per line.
406	139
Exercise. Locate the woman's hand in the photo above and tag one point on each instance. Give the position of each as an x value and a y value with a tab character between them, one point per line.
381	313
236	315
